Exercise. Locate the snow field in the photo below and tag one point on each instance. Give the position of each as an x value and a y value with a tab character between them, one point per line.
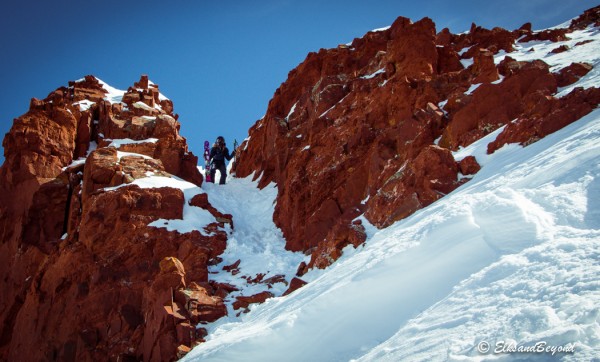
494	260
255	240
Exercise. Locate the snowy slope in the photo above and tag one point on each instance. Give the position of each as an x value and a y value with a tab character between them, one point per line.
255	241
511	255
510	259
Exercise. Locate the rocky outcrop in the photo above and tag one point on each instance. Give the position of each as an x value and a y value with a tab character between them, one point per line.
364	132
368	128
548	116
84	276
428	177
572	74
244	302
295	284
469	165
491	106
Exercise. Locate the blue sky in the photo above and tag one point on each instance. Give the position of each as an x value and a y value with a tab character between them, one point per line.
219	61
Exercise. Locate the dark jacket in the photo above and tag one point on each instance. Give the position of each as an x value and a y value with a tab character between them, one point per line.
219	154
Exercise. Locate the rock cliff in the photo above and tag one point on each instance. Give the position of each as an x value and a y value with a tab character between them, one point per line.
369	127
84	275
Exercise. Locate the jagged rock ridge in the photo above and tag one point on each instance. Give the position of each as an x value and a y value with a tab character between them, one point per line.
369	127
85	275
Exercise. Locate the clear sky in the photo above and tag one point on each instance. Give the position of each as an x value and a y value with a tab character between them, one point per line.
219	61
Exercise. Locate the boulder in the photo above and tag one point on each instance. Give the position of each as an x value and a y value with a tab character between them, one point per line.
201	306
295	284
245	301
572	73
469	166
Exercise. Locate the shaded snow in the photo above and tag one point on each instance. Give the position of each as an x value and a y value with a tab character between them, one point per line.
255	240
92	147
472	88
467	62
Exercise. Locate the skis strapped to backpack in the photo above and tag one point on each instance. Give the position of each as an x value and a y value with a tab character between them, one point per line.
207	162
237	157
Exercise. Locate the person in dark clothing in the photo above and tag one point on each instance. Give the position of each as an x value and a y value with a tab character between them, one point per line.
218	153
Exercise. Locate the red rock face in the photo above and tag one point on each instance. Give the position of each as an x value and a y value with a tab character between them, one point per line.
431	175
356	130
352	129
589	17
83	275
494	105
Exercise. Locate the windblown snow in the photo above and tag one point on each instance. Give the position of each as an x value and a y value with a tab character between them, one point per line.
506	267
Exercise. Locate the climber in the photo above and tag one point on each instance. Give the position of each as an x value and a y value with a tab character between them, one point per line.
218	154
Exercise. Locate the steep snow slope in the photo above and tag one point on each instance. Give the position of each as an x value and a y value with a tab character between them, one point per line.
512	255
542	218
509	259
254	240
